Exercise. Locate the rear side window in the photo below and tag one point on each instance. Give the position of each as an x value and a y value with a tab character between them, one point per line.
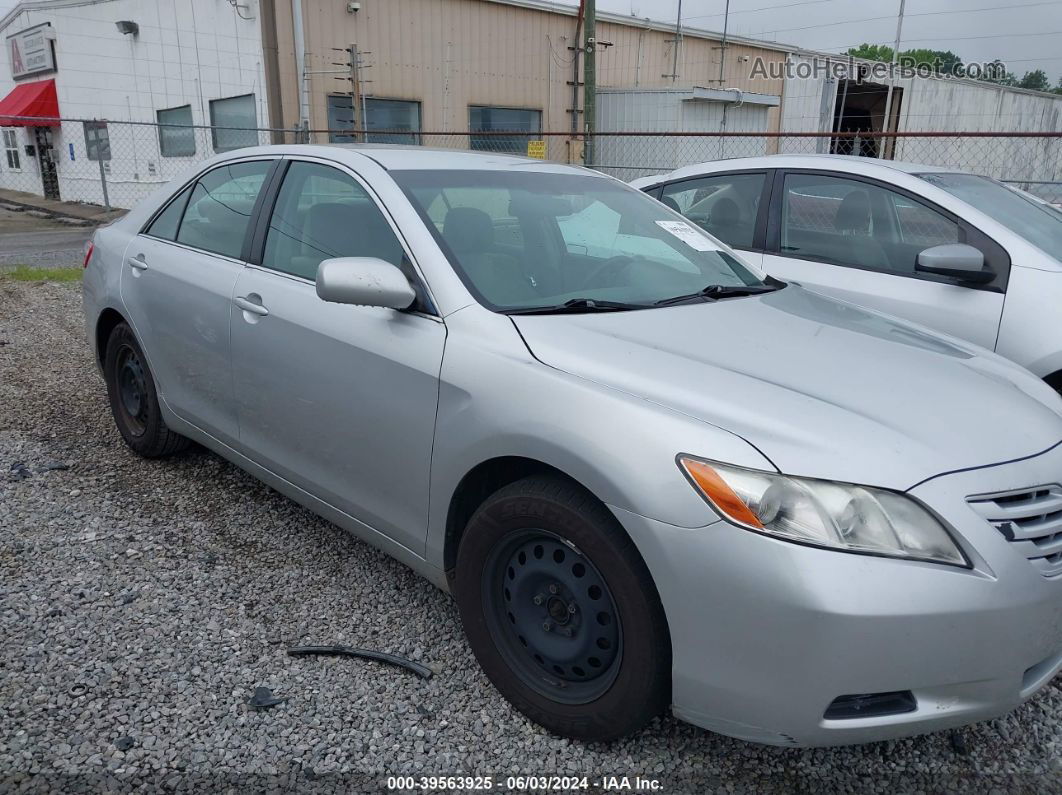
220	206
323	213
725	205
166	223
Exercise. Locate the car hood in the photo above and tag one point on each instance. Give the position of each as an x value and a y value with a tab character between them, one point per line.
822	388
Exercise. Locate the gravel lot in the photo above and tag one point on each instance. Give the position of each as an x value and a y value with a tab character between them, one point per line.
142	602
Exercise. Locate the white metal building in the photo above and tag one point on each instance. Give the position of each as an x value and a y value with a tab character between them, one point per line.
193	62
821	96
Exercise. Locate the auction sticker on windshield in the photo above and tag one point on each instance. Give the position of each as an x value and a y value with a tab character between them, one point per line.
688	235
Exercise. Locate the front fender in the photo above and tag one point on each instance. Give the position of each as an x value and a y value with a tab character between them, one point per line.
497	400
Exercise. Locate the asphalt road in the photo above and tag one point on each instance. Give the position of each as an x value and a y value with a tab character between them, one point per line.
40	242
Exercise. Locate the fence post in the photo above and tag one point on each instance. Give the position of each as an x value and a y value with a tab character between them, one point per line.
103	183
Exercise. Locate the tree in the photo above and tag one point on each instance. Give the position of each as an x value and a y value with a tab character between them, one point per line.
1058	89
941	61
1035	81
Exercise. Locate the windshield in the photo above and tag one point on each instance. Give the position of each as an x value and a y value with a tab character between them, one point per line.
523	240
1039	224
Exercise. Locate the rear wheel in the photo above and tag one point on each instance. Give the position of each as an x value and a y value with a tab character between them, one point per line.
134	401
561	611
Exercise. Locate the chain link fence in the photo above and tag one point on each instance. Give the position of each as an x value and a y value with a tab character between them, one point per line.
116	164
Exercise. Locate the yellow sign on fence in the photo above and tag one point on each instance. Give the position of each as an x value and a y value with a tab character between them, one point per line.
536	149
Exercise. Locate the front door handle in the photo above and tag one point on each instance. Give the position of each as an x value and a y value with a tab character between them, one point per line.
250	306
139	262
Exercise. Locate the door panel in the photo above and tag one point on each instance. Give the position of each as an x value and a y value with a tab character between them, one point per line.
339	400
179	294
969	314
859	240
179	301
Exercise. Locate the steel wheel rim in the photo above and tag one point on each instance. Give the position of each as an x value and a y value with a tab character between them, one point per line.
552	616
131	383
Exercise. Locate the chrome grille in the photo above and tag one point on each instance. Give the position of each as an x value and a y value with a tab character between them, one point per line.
1031	519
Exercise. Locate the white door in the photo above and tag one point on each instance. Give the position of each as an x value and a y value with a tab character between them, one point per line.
859	241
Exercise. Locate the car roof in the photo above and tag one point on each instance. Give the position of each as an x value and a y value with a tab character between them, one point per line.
402	157
850	163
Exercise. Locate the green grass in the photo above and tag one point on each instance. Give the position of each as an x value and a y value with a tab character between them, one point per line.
24	273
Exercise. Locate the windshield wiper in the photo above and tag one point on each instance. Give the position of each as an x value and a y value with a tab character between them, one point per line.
577	305
714	292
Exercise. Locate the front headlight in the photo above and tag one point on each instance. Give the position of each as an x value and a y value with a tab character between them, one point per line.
826	514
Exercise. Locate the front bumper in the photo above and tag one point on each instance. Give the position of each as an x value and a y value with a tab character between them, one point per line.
766	634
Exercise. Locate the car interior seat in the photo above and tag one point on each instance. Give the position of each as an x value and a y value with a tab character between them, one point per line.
469	232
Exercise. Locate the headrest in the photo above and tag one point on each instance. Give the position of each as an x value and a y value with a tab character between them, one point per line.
853	215
467	229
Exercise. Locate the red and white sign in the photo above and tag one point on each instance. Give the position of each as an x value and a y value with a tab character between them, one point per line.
30	51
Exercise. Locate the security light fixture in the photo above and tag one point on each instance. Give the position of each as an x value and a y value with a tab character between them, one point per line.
126	27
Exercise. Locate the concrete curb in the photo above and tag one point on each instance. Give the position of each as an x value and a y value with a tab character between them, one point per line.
70	219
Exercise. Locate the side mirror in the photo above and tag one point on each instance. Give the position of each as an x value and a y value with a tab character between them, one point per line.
957	260
364	281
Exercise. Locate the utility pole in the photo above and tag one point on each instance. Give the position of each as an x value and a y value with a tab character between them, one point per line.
722	44
892	81
676	44
590	82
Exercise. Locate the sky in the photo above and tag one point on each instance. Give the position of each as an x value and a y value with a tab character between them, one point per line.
1025	34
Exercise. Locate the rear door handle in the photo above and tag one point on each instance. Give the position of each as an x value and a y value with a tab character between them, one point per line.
250	306
138	262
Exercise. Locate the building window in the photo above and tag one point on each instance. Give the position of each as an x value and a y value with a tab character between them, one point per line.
11	155
176	134
392	121
515	120
340	117
387	121
233	122
97	140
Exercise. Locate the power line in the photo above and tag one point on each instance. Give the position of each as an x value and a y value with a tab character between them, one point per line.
761	8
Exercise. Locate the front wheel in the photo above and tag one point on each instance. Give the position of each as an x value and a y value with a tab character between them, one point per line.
561	611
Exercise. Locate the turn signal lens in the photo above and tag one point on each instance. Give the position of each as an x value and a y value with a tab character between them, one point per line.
89	248
720	494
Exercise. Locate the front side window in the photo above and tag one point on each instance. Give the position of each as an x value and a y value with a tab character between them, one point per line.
725	206
524	240
321	213
234	121
11	153
176	134
848	222
525	124
97	140
220	207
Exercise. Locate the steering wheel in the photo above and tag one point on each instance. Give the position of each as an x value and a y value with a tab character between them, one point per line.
613	266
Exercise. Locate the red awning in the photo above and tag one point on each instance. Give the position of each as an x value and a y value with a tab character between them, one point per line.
37	100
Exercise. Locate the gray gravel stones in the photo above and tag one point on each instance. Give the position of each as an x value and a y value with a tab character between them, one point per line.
142	602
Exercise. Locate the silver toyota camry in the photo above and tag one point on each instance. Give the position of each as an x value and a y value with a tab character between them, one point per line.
651	476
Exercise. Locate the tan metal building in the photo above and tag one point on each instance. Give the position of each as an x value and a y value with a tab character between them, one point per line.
460	65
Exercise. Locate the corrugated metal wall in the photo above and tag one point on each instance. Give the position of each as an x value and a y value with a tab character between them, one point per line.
449	54
655	110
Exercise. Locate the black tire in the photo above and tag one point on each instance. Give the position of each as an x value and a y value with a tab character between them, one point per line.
134	401
569	540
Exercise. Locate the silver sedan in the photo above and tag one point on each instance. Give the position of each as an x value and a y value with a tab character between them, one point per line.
651	476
